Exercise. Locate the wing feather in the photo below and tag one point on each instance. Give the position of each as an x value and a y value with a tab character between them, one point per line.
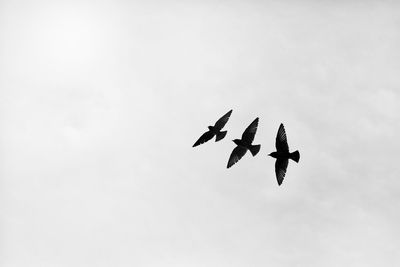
204	138
280	169
237	153
250	132
281	140
222	121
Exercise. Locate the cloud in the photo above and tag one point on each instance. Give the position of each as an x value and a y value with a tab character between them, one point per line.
101	104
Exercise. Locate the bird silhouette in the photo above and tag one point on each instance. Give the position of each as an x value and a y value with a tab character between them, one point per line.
282	154
244	144
215	130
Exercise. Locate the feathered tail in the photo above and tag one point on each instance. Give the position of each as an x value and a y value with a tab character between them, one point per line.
220	136
255	149
295	156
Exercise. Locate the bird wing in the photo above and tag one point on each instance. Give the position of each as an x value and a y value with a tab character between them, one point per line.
204	138
281	140
250	132
280	169
222	121
237	153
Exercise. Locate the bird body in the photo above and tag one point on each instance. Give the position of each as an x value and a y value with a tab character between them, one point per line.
282	154
286	155
215	130
244	144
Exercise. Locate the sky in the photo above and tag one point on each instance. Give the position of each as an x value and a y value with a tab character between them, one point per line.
101	102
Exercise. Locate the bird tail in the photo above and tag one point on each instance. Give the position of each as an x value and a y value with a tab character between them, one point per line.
295	156
220	136
255	149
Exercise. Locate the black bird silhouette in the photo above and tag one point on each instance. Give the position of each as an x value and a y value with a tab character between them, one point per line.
215	130
244	144
282	154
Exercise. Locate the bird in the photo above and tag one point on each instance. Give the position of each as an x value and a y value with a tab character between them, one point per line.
282	154
215	130
244	144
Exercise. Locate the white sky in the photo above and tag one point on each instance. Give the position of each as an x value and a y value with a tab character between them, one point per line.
100	103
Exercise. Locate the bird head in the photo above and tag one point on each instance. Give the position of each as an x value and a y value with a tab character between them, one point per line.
236	141
273	154
210	128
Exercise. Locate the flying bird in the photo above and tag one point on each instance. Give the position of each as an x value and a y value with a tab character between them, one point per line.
244	144
282	154
215	130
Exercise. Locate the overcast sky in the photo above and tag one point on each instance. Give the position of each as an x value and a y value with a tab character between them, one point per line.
101	102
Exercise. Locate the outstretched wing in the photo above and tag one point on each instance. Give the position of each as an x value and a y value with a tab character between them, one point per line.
237	153
281	141
204	138
280	169
222	121
250	132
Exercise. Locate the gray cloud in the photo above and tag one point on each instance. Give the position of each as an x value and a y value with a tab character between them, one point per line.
101	102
